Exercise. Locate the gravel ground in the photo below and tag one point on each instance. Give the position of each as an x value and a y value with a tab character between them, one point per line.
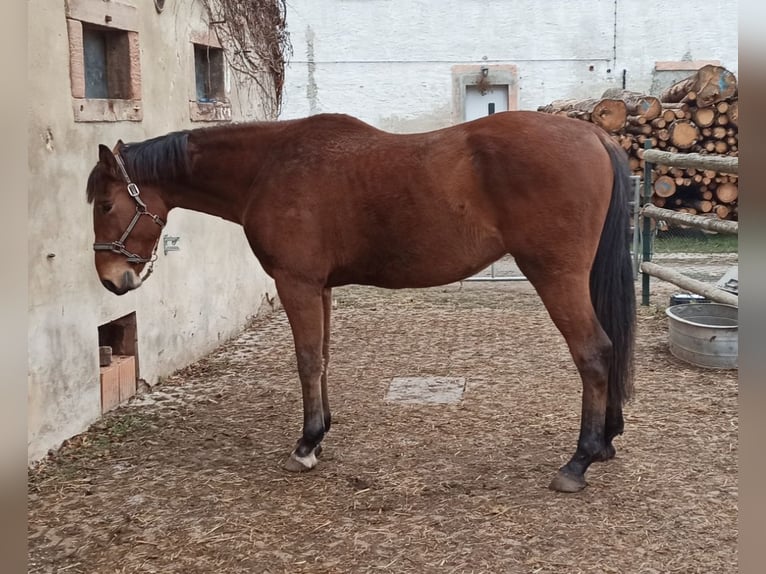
188	478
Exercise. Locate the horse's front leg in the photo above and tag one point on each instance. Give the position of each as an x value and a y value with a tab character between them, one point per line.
327	309
304	306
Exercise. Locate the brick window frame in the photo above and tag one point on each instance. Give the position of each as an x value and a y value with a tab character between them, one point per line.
200	111
464	75
118	16
668	72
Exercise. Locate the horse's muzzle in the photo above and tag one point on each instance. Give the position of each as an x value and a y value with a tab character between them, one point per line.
129	282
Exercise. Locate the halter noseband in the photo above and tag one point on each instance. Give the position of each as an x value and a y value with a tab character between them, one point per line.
119	245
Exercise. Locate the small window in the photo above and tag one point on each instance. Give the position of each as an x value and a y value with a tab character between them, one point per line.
107	63
209	73
482	90
104	60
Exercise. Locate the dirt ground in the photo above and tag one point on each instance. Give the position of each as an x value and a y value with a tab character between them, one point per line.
188	478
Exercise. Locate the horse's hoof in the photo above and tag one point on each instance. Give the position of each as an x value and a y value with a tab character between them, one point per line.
297	463
564	482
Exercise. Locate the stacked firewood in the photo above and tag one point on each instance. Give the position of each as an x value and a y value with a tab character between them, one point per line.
699	114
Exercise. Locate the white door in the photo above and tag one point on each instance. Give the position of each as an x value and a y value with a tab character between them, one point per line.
478	105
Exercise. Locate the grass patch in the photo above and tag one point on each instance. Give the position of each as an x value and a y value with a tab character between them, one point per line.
675	242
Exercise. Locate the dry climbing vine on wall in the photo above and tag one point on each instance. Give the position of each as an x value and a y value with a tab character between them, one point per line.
253	34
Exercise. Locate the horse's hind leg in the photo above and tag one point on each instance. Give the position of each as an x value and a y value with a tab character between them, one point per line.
615	424
567	299
304	306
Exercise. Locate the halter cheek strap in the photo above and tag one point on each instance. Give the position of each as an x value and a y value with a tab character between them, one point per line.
141	210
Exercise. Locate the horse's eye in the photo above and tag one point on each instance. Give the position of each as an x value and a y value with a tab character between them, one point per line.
106	208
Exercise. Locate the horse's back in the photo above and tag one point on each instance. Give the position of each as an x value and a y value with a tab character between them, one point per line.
399	210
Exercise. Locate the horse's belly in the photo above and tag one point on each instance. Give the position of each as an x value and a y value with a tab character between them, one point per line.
423	261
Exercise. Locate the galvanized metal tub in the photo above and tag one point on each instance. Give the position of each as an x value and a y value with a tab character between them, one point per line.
704	334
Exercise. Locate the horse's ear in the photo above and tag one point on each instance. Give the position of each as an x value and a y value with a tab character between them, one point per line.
106	157
118	146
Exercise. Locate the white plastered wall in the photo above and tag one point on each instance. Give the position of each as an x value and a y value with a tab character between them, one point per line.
389	62
196	298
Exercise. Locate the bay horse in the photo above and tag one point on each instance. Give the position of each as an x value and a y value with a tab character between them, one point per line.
329	200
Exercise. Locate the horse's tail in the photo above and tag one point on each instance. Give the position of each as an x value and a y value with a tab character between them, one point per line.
611	279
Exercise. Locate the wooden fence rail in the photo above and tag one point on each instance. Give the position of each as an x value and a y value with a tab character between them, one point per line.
722	164
719	163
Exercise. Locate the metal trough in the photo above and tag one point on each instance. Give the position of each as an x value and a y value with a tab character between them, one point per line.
704	334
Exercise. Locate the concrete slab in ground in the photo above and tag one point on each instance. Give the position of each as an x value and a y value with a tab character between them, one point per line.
426	390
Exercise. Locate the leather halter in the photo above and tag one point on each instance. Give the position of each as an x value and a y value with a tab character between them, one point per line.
141	210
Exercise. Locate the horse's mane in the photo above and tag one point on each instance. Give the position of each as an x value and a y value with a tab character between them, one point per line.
163	158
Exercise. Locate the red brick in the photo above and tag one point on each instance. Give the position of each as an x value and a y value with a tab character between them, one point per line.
126	365
110	387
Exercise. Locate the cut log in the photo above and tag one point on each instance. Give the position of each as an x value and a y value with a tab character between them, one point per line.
722	107
578	115
719	132
610	114
689	98
721	147
684	134
710	85
733	112
722	120
675	106
702	205
625	141
637	104
722	211
676	171
727	192
704	117
659	123
665	186
642	139
645	130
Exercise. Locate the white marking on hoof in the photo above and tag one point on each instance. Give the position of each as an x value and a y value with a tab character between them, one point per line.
301	463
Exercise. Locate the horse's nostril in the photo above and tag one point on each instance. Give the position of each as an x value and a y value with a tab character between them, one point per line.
109	285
